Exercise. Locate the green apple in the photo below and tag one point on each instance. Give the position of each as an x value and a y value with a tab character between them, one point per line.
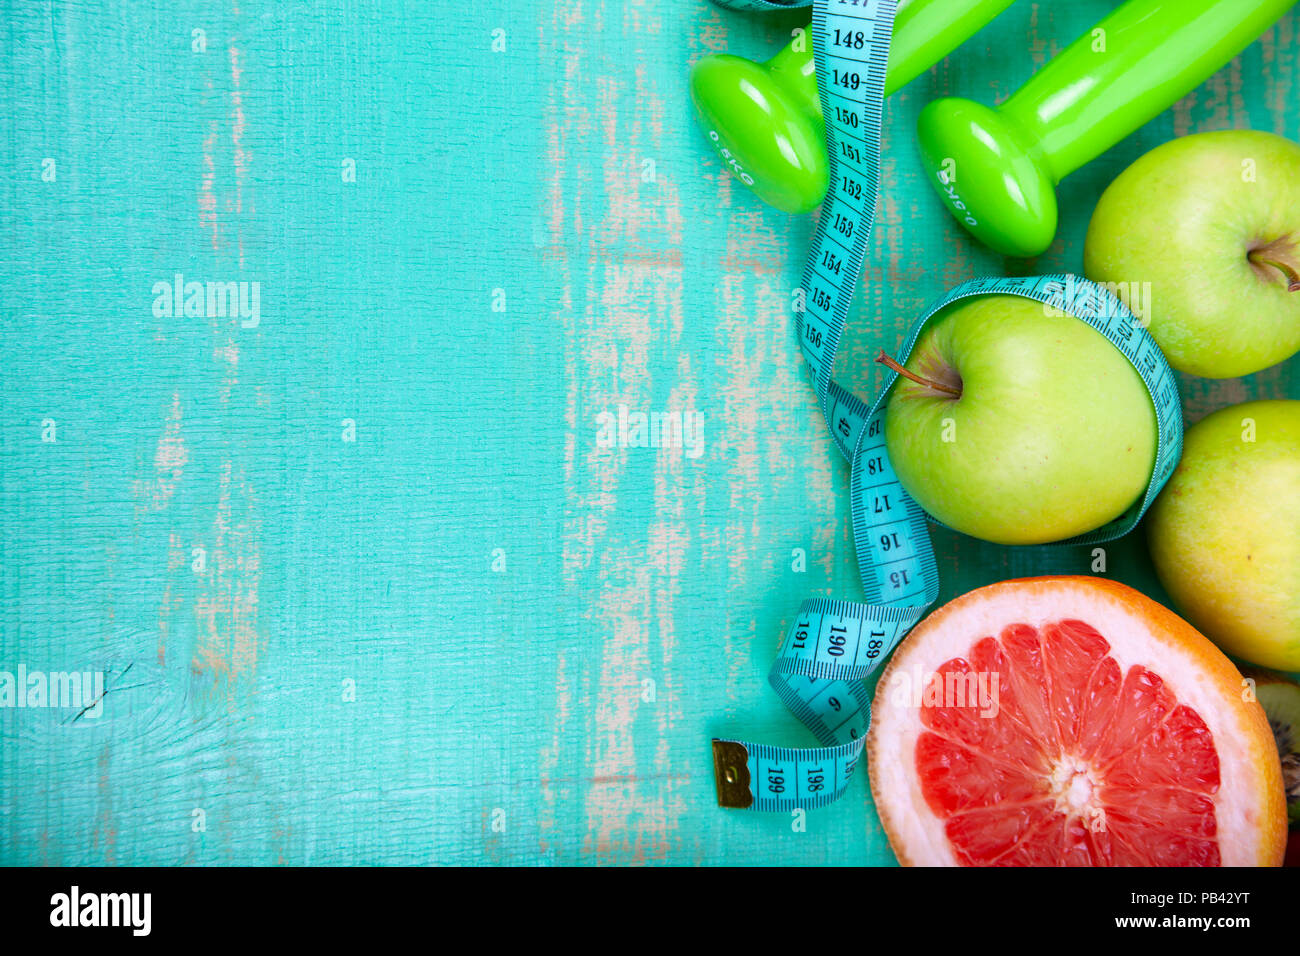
1206	230
1225	532
1019	425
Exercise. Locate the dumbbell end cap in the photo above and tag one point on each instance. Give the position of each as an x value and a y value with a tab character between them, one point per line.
990	176
760	131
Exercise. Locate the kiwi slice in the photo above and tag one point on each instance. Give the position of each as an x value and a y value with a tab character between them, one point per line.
1280	698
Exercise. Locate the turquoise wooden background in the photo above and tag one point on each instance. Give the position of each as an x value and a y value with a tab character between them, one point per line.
535	234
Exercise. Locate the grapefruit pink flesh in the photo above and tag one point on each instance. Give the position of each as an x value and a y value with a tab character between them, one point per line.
1079	764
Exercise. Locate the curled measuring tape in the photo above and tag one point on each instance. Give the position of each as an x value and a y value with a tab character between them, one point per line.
833	646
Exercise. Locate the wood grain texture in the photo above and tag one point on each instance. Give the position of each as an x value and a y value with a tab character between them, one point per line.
541	633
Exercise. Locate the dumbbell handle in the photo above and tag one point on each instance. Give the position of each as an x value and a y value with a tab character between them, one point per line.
997	169
765	120
925	31
1152	53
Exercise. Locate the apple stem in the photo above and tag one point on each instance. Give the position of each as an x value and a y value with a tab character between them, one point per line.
1274	257
885	359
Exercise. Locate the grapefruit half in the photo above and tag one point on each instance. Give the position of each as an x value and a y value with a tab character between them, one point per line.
1070	721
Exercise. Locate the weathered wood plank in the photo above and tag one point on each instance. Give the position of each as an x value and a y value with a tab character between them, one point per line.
364	582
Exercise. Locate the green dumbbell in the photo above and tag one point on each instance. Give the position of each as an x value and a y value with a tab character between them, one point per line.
765	120
997	169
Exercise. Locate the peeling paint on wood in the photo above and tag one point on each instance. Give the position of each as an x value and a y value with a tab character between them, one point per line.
363	582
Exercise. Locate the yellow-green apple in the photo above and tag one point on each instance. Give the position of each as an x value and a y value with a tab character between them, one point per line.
1018	424
1225	532
1212	223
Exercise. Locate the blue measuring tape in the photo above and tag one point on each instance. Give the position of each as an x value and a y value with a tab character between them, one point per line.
833	646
